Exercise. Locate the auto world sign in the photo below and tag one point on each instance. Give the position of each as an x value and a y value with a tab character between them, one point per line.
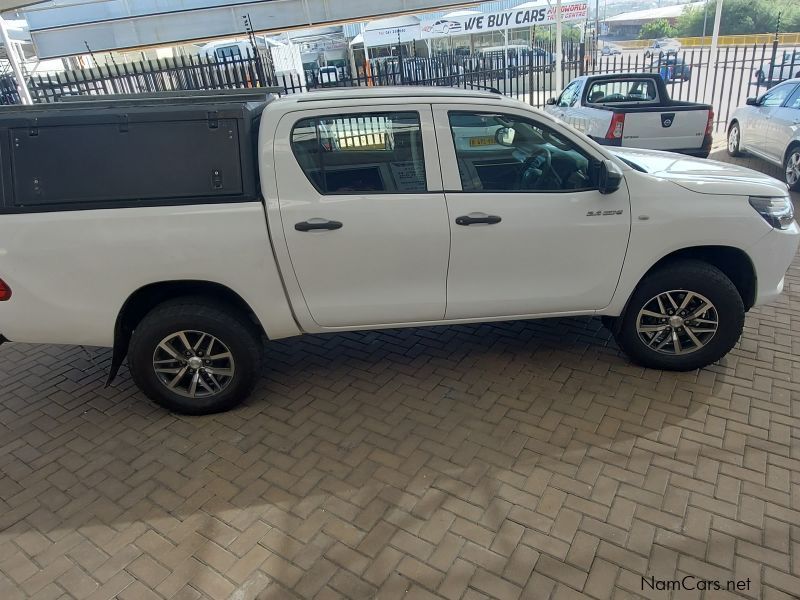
507	19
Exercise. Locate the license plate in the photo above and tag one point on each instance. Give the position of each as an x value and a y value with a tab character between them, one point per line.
487	140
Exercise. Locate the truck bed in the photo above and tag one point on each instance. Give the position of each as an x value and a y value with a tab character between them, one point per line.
170	148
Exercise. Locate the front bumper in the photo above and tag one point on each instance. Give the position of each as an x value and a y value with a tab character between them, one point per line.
772	256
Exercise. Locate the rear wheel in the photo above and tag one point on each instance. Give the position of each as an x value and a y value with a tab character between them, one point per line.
791	168
734	139
194	357
684	316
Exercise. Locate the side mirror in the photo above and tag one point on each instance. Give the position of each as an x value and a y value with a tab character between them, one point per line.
609	177
550	101
505	136
752	101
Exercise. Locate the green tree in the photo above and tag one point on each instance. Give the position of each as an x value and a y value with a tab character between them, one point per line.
741	17
656	29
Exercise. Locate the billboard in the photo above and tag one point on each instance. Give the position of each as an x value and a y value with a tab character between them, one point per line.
507	19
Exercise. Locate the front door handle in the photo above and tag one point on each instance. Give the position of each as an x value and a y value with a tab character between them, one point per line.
314	224
478	218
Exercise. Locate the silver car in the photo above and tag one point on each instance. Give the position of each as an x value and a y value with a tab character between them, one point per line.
769	127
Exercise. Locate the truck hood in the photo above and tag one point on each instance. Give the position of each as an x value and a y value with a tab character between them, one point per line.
702	175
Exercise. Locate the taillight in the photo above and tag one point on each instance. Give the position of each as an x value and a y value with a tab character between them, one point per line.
5	291
617	125
710	122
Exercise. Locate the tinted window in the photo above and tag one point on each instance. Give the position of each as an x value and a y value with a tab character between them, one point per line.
622	90
229	52
777	95
506	153
365	152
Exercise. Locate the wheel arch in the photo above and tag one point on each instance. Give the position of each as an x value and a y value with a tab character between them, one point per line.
147	297
733	262
792	145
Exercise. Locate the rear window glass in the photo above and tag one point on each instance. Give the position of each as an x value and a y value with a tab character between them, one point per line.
362	152
620	91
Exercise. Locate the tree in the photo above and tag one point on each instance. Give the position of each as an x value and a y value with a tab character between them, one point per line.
741	17
656	29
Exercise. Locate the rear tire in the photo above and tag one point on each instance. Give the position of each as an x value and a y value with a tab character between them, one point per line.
791	168
707	325
195	357
734	139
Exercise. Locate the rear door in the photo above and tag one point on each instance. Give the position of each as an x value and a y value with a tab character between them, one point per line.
363	213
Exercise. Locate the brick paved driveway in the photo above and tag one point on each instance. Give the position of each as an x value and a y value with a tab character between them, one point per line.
520	460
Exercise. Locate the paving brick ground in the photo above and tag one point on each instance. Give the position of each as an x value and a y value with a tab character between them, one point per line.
519	460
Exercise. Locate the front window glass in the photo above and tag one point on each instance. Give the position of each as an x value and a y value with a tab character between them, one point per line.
506	153
363	152
569	95
794	99
777	95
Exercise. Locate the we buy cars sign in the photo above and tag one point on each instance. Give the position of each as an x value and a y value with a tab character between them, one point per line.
507	19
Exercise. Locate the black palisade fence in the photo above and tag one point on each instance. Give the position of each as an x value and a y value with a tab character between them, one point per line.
526	74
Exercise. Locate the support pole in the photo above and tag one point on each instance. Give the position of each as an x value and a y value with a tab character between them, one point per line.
559	49
13	58
712	58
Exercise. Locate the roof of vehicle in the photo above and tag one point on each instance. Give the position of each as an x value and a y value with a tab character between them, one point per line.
623	76
385	92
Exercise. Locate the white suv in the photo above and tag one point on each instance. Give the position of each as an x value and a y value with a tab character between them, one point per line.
769	127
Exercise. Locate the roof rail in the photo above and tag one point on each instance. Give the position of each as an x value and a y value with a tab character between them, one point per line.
248	94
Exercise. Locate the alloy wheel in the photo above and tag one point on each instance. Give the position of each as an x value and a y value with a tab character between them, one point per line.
733	139
193	364
793	168
677	322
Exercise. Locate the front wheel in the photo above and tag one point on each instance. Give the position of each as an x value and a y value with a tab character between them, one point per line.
194	357
734	140
791	168
684	316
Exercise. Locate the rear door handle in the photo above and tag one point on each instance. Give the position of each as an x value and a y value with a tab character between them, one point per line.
478	218
314	224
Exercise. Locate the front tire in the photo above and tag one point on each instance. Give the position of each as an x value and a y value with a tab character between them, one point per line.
791	168
734	140
684	316
195	357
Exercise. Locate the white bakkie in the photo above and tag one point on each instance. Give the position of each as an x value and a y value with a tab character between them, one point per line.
634	110
404	207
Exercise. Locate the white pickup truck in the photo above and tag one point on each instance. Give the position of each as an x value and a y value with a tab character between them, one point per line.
187	232
634	111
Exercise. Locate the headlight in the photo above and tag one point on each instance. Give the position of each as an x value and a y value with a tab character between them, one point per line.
778	212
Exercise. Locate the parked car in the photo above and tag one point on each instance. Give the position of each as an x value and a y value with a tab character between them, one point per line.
353	212
786	65
610	49
662	45
769	127
329	75
671	67
634	110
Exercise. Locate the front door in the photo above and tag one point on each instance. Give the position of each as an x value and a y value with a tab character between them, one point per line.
363	214
530	232
783	124
757	135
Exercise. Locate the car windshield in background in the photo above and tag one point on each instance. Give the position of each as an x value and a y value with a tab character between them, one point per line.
620	91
